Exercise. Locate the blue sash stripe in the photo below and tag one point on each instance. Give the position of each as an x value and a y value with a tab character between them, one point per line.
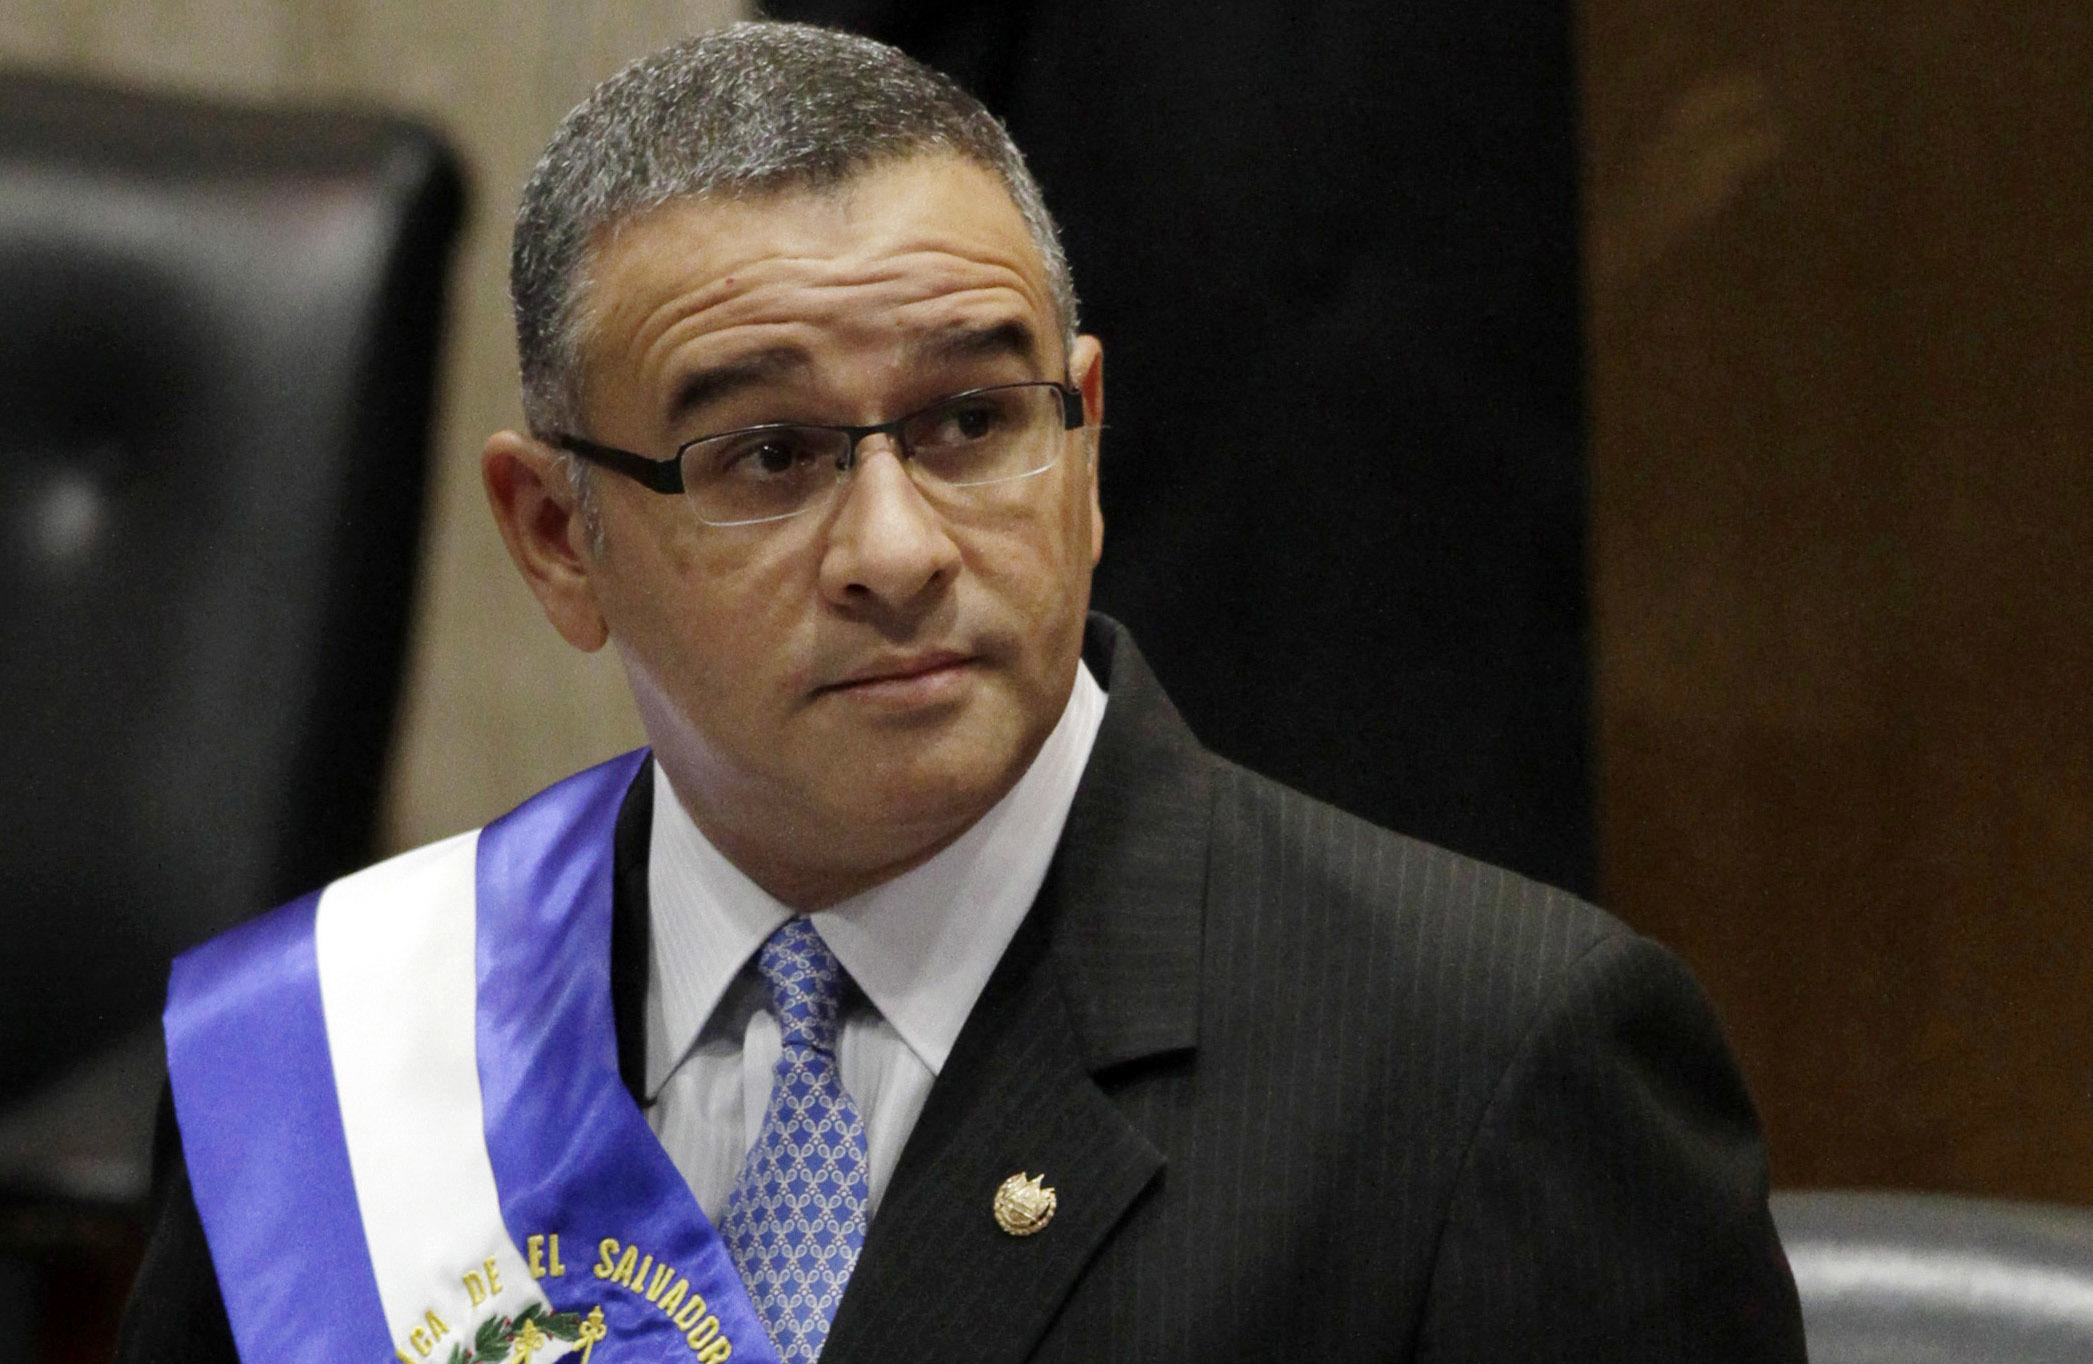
571	1151
247	1055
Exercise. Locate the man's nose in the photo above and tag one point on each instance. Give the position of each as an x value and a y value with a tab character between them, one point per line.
887	545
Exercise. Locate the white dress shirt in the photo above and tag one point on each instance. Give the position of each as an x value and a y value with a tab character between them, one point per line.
919	948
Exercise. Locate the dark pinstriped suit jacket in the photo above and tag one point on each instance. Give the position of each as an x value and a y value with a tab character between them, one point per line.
1312	1091
1307	1090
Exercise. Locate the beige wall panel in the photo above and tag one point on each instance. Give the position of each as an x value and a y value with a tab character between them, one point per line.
496	705
1842	436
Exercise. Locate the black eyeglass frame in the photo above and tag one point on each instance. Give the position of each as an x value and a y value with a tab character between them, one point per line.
666	475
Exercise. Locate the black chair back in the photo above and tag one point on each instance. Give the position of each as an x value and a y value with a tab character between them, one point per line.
217	338
1897	1278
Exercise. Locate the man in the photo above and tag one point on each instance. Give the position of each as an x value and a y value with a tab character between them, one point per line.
929	993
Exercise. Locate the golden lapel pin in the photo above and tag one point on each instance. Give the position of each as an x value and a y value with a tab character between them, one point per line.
1023	1206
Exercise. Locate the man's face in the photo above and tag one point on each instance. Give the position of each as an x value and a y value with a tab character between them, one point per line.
836	695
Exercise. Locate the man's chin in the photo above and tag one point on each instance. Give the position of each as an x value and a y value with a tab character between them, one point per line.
920	793
929	773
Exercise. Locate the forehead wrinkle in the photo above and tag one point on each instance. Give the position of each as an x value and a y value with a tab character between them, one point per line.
926	275
815	279
767	318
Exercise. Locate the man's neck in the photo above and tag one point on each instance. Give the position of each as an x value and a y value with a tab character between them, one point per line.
807	884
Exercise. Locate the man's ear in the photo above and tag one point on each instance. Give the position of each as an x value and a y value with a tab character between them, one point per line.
1086	365
541	522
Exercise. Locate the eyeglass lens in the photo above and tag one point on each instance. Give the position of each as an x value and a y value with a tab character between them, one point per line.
971	439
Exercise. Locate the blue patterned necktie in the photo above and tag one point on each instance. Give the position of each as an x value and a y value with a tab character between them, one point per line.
796	1218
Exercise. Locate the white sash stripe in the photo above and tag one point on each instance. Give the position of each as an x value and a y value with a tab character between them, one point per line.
399	991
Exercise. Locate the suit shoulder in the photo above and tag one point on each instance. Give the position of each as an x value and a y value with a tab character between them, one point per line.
1411	926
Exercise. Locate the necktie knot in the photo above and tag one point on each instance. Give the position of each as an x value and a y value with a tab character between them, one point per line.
806	984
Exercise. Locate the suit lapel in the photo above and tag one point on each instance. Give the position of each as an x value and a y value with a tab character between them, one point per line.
938	1280
1103	973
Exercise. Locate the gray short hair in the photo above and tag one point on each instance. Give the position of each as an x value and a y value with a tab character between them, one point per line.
747	109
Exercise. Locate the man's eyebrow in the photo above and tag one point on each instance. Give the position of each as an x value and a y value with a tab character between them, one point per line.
702	387
1014	338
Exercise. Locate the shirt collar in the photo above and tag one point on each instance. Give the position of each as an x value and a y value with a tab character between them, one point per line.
921	946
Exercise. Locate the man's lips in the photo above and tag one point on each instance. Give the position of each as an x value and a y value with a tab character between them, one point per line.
898	670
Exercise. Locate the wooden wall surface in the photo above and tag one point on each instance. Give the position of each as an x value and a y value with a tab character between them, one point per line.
1841	364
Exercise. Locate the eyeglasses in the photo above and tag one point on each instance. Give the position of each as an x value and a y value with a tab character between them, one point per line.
767	473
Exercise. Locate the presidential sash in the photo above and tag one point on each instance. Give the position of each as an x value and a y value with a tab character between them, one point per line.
400	1107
